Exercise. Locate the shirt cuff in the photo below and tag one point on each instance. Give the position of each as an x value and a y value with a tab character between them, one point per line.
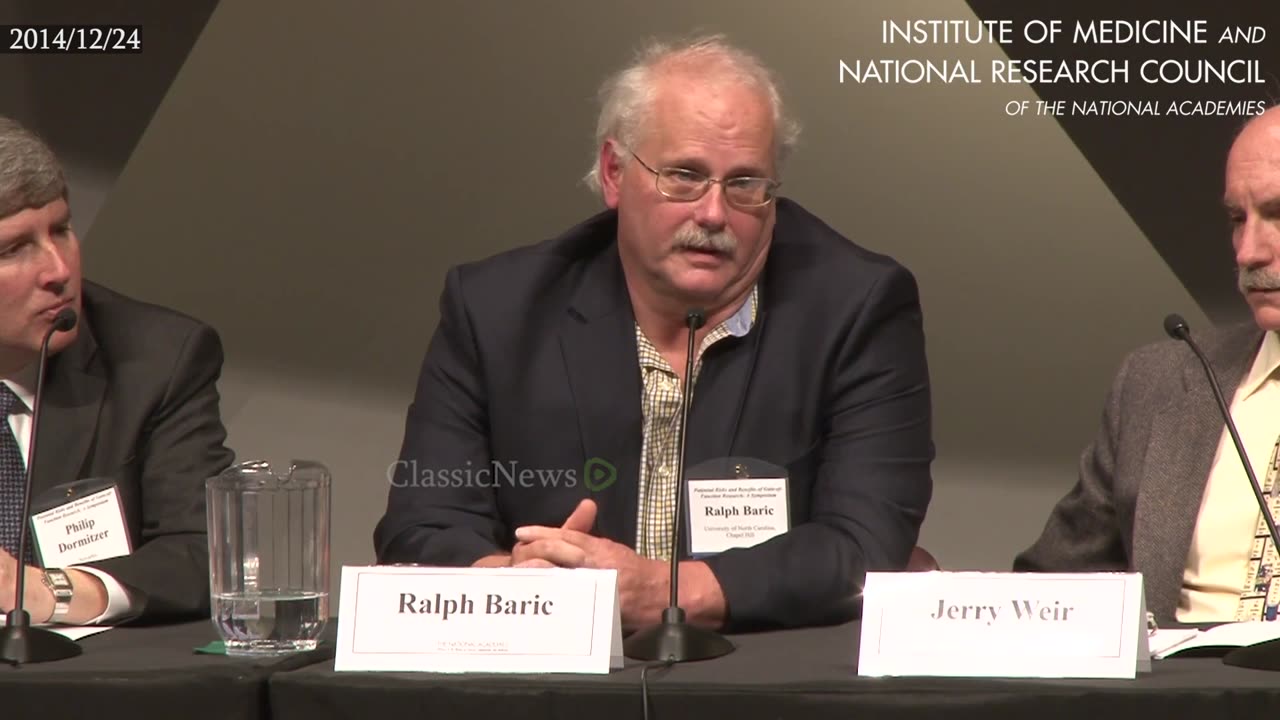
121	604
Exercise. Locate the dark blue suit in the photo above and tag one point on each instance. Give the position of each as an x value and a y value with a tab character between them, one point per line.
534	366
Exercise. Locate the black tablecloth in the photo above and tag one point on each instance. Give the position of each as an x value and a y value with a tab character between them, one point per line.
140	673
808	673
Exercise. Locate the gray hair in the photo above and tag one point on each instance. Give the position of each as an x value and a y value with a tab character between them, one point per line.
30	174
627	97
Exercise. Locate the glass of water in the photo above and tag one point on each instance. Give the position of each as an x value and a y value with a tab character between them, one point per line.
269	556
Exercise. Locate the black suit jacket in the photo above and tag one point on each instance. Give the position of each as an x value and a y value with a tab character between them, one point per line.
534	366
134	399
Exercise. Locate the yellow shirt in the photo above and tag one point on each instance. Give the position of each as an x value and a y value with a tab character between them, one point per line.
1217	564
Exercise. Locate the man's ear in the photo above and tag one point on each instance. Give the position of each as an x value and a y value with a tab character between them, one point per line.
610	168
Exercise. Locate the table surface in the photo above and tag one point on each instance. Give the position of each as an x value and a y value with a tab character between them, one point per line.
146	672
810	673
139	673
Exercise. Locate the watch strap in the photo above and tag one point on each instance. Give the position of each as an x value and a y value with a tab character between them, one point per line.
57	580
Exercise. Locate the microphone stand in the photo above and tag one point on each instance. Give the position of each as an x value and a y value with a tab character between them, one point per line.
1263	655
19	642
674	640
1179	330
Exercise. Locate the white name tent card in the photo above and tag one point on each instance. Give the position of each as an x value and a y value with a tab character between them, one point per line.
974	624
519	620
88	528
735	512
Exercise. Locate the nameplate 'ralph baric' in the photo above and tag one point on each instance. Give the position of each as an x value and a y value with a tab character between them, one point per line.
478	620
464	604
969	624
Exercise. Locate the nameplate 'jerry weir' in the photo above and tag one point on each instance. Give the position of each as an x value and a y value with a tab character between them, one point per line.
478	620
1004	625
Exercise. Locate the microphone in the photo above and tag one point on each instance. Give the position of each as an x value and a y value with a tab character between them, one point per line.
19	642
1178	329
674	640
1263	655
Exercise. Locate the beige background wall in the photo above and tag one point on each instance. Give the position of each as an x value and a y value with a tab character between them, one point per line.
316	167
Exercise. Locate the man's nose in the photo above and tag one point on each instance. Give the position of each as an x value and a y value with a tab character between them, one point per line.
712	210
55	271
1255	241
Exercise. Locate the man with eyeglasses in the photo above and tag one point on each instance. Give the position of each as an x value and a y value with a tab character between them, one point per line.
545	428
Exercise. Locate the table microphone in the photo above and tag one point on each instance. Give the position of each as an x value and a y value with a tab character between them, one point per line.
1263	655
1179	330
674	640
19	642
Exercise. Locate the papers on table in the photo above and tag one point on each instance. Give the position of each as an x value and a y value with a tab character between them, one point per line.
1171	642
1164	642
75	632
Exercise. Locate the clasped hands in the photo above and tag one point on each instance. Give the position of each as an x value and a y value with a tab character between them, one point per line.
572	545
643	584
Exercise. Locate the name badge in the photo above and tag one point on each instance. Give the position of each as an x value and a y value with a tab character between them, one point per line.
970	624
519	620
90	527
735	512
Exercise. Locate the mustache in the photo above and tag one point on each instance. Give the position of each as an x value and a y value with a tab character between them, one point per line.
692	237
1257	279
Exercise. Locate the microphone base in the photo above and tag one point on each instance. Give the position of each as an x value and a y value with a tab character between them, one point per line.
21	644
674	640
1261	656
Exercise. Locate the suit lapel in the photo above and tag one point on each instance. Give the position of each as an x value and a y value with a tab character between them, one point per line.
598	342
720	393
72	400
1184	439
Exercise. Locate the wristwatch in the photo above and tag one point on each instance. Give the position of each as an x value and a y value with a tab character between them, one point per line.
56	579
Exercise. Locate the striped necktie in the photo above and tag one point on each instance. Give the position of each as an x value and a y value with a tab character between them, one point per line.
12	475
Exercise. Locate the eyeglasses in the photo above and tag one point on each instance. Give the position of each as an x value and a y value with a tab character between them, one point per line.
684	185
